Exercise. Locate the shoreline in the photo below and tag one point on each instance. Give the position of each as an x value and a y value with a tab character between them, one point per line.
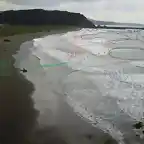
19	116
54	112
17	120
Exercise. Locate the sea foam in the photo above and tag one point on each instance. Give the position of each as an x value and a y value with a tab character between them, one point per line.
90	54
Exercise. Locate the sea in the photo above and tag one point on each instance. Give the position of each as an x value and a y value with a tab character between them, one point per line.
101	75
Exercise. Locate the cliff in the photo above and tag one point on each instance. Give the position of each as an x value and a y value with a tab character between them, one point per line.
44	17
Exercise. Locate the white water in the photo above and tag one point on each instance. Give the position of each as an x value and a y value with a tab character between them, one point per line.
106	86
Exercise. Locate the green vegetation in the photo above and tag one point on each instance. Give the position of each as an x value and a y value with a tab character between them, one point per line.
9	30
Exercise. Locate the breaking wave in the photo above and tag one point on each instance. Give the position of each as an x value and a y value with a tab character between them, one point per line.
106	84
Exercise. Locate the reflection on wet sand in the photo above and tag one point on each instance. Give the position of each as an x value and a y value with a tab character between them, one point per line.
17	115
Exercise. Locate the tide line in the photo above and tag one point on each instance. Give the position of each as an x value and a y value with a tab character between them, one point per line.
54	65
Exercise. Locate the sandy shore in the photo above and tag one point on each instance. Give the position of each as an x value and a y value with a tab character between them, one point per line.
26	116
17	114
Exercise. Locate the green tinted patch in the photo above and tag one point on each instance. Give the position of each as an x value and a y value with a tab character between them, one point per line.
5	66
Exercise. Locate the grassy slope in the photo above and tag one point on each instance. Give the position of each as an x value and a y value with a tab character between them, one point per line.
9	30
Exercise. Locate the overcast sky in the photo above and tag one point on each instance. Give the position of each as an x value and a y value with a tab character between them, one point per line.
108	10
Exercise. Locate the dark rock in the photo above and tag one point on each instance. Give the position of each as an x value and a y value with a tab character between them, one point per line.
43	17
138	125
98	26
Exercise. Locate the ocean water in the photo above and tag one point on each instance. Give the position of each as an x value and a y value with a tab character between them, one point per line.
105	86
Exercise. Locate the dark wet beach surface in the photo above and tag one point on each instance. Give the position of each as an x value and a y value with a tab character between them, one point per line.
17	113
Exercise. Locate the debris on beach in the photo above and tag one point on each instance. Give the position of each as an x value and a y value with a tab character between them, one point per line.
6	40
89	136
24	70
139	129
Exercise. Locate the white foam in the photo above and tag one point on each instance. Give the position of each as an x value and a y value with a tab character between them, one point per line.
87	51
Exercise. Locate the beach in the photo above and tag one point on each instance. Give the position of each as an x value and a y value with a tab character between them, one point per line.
17	114
49	96
22	120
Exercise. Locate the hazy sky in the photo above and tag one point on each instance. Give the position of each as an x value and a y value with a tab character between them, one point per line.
109	10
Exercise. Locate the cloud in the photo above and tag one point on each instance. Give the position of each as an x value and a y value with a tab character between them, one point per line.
6	6
108	10
43	2
36	2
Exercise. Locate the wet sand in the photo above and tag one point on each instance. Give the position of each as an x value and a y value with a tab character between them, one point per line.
17	113
28	111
